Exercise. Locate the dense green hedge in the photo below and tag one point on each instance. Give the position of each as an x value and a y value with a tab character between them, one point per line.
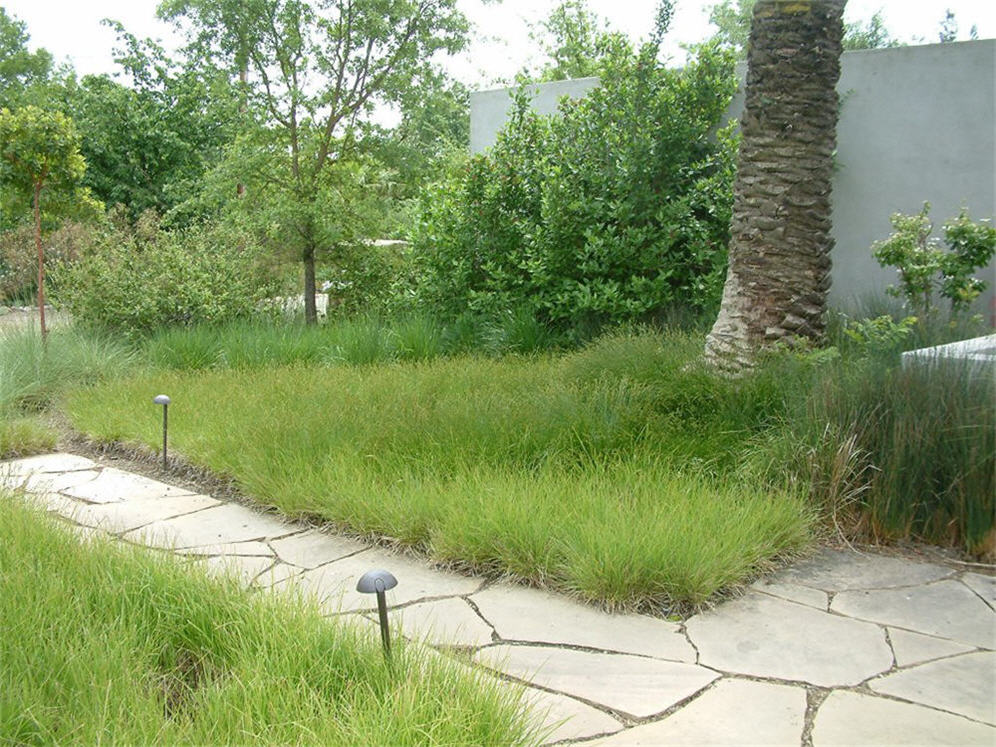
135	280
616	209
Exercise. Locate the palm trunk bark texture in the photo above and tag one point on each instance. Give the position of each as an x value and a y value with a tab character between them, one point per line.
779	274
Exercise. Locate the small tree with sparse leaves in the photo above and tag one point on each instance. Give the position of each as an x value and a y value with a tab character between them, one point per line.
39	150
926	267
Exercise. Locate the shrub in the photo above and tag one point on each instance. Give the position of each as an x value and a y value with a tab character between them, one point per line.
135	280
613	210
925	268
19	257
368	277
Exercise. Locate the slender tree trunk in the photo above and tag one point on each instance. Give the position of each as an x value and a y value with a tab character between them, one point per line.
310	309
240	188
779	274
41	263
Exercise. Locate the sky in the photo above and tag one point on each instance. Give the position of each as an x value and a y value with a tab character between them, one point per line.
71	29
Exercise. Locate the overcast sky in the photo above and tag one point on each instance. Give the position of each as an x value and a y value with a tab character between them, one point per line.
71	29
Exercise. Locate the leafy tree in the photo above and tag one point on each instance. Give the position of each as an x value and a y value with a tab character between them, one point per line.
20	69
315	70
346	208
779	273
432	136
872	35
147	145
39	150
949	28
574	39
732	19
948	31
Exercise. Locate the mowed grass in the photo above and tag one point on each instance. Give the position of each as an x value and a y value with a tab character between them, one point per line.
107	644
606	473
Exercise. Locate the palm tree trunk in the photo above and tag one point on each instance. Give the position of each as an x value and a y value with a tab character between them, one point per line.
779	274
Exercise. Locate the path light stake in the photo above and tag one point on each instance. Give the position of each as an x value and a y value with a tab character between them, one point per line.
162	399
378	582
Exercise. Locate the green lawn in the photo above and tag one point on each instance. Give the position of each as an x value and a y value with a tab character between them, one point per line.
611	473
107	644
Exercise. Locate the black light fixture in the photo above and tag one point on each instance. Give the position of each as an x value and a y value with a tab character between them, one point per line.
162	399
378	582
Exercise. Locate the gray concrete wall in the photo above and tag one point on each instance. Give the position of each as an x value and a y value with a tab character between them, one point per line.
489	110
916	124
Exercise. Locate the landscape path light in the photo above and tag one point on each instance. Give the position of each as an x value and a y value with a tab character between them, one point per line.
378	582
162	399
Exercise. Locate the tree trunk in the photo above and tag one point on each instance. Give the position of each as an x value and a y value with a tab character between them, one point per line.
310	310
41	263
240	188
779	274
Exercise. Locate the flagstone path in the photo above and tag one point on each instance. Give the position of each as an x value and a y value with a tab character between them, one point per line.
843	648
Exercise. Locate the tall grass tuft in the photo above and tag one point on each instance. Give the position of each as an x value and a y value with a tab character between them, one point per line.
418	338
930	433
107	644
360	341
33	373
22	436
905	452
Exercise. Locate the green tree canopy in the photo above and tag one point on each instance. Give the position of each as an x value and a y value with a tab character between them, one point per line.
315	70
574	40
148	144
20	68
39	150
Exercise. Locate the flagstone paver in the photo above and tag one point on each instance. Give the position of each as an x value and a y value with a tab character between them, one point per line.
53	482
59	462
128	515
733	712
313	548
965	685
334	584
229	522
450	622
849	718
766	637
794	593
614	679
633	685
521	614
113	485
276	574
947	609
55	502
252	547
567	718
984	586
841	570
916	648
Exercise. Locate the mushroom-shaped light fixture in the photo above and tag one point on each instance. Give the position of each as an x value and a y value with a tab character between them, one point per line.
162	399
378	582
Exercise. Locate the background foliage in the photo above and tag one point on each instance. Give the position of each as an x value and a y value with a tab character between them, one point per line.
142	278
614	210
